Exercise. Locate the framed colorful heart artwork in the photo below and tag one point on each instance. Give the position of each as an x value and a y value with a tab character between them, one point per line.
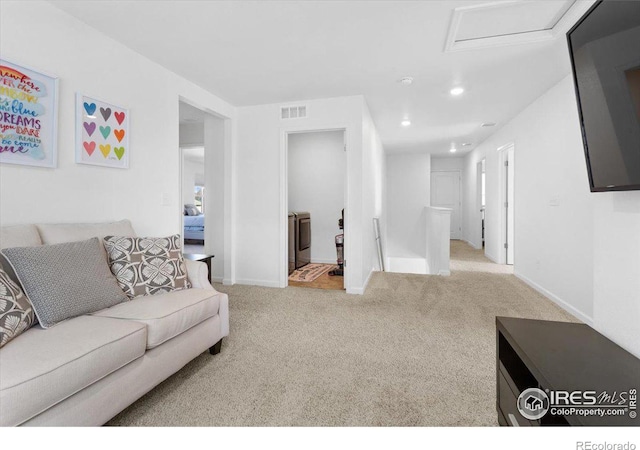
102	133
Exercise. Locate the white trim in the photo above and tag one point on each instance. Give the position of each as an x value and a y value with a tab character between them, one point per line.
217	280
229	261
283	266
361	290
490	256
503	154
568	19
477	247
263	283
325	261
557	300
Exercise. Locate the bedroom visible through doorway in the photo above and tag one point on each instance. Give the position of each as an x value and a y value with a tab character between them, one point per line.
202	146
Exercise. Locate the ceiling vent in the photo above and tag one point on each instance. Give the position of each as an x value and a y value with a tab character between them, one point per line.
293	112
488	124
511	22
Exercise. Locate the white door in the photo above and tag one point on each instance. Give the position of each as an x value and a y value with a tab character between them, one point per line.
510	206
445	193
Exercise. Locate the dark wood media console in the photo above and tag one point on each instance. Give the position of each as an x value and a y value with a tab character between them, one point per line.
568	357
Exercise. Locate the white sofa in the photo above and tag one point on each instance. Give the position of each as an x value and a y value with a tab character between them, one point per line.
85	370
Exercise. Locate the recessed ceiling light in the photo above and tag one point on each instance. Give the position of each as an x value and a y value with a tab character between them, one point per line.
453	150
457	90
405	123
488	124
406	81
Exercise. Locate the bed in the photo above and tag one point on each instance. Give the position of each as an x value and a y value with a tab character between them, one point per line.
194	227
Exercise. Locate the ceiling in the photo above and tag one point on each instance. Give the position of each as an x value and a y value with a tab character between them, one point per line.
253	52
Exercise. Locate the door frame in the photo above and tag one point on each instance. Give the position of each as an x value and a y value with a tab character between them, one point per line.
478	212
284	199
229	259
503	156
459	172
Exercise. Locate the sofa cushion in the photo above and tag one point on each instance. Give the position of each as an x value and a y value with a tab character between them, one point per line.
167	315
147	266
17	236
43	367
16	311
65	280
58	233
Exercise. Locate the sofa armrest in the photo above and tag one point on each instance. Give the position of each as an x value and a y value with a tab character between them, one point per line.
198	274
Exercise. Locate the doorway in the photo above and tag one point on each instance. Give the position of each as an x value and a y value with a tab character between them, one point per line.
507	200
316	199
203	180
481	192
445	193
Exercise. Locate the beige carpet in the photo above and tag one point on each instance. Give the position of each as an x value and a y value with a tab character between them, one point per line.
414	350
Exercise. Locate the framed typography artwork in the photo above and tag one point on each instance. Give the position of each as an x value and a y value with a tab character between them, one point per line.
102	133
28	116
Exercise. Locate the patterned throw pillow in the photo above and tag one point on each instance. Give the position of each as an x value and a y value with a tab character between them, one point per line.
147	266
16	312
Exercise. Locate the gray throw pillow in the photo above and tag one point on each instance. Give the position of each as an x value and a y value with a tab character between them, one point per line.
65	280
16	313
147	266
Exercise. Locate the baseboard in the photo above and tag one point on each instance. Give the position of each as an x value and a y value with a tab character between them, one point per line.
324	261
228	282
491	257
557	300
361	290
263	283
477	247
217	279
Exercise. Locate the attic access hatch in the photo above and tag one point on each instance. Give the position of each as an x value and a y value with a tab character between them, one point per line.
511	22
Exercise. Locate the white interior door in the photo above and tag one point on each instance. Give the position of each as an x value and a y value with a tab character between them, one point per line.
510	206
445	193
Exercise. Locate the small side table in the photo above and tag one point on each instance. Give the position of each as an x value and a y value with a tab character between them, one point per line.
203	258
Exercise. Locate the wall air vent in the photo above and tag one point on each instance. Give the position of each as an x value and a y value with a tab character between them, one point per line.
293	112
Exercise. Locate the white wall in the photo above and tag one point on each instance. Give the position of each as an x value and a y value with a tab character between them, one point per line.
580	249
446	163
316	184
616	270
65	47
373	193
408	192
261	205
214	184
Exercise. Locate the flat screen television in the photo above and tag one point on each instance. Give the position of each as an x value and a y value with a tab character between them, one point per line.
605	56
